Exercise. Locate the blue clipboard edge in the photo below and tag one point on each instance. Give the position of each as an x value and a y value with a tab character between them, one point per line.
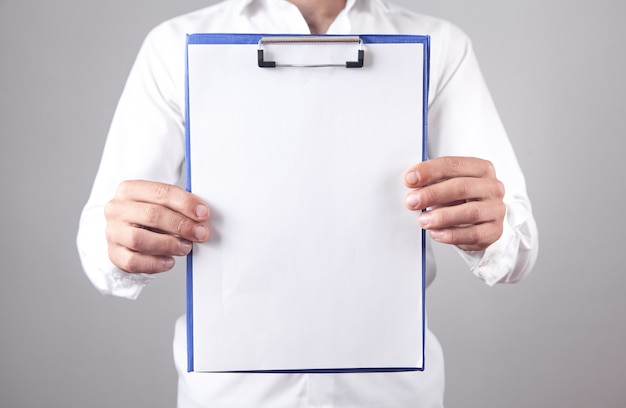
229	38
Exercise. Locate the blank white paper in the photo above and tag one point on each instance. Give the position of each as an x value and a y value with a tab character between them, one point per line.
314	262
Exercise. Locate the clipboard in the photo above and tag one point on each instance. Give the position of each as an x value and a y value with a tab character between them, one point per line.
299	145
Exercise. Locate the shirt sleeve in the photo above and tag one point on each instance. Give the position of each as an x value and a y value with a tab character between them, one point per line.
463	121
145	142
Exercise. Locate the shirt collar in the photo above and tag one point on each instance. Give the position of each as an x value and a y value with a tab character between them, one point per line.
244	4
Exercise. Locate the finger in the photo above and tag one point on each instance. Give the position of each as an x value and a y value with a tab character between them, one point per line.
443	168
167	195
141	240
135	262
466	214
156	217
454	190
469	238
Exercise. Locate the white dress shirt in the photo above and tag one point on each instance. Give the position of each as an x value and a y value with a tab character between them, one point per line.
146	141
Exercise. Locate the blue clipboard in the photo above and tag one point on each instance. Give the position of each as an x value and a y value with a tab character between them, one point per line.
341	311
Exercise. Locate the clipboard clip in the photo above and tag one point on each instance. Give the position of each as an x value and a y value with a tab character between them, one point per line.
310	40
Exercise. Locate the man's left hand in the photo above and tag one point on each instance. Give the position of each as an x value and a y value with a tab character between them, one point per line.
462	198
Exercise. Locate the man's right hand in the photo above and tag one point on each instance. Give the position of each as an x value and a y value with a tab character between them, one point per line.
148	223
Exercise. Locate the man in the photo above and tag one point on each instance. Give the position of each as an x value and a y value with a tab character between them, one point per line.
137	220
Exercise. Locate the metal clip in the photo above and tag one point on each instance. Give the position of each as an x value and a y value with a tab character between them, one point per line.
310	40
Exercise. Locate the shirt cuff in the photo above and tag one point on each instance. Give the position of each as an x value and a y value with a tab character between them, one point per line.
111	281
494	264
128	285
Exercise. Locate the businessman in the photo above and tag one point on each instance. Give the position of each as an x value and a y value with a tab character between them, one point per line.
137	221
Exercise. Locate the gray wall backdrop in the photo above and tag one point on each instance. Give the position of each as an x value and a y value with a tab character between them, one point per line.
556	69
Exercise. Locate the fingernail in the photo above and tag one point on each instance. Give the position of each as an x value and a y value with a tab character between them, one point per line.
168	263
201	232
412	178
185	247
436	234
202	211
412	200
424	219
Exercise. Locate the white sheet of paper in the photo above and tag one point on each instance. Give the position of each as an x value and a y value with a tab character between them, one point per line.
313	262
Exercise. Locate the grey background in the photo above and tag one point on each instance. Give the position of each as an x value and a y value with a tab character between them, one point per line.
556	70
